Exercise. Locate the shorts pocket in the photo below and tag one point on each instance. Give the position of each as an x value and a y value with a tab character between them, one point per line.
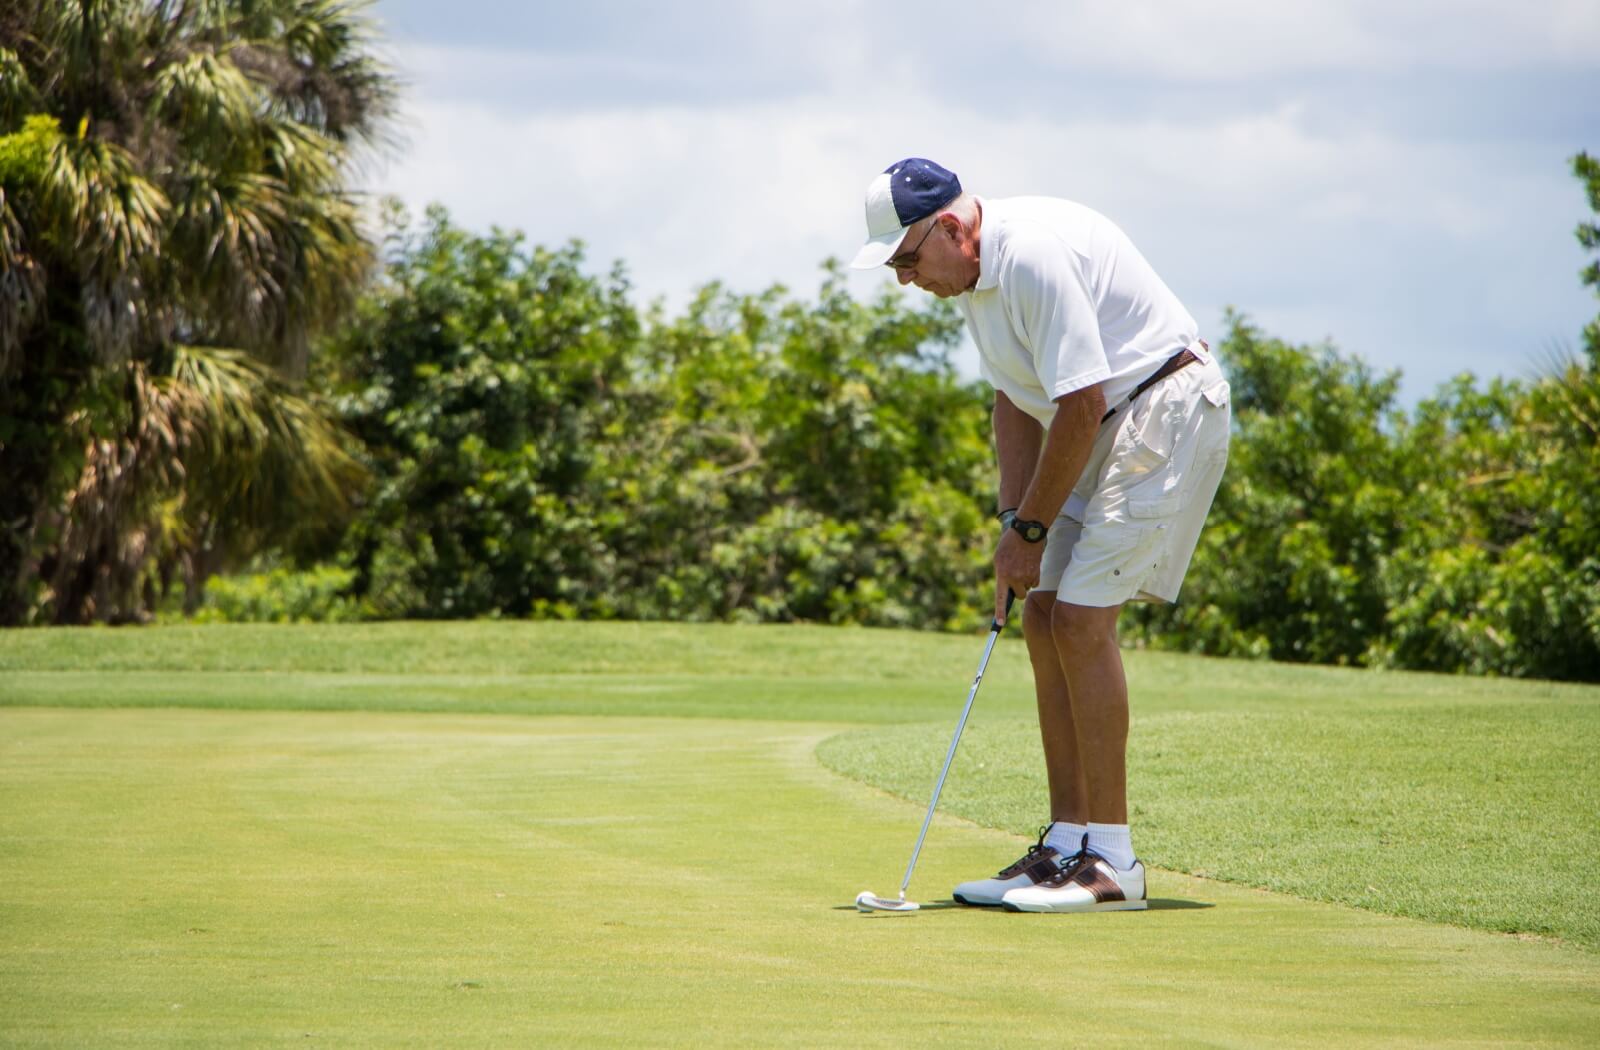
1137	452
1143	558
1218	393
1155	507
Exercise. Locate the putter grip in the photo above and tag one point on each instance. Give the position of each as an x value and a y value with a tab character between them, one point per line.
1011	596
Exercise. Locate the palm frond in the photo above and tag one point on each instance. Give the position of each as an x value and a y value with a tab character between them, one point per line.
216	444
306	160
18	97
21	285
90	59
208	98
232	239
316	56
331	243
225	230
270	262
257	454
112	218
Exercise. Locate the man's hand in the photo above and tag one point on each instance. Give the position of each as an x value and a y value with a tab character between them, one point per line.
1016	568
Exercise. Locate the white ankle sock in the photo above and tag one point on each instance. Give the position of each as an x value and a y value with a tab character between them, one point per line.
1066	838
1112	842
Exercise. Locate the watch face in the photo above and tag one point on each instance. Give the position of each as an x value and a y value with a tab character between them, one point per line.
1032	531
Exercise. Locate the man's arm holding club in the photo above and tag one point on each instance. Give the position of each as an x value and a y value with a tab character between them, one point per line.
1017	440
1053	471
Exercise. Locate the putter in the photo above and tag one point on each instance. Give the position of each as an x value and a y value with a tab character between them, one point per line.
868	901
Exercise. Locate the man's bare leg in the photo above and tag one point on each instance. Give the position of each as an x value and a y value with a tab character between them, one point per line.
1107	876
1068	791
1068	809
1091	663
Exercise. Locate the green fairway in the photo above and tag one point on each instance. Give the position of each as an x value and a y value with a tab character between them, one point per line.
381	859
1482	815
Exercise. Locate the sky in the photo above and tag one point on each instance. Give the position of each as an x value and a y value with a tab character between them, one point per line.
1392	176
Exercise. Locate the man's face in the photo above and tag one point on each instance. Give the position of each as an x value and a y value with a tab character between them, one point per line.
931	258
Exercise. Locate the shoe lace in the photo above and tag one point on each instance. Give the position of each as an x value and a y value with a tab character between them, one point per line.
1015	867
1070	867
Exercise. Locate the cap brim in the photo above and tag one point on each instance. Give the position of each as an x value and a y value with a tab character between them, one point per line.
878	250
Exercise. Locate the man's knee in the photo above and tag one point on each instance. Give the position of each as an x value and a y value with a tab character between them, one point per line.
1082	629
1036	618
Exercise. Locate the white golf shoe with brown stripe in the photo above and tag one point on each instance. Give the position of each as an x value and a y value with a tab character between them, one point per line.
1040	863
1091	884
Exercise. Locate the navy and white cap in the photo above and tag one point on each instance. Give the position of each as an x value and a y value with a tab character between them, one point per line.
907	192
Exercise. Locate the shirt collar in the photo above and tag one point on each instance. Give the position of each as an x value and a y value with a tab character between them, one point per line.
988	249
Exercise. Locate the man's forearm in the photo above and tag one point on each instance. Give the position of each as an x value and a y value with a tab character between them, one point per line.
1067	444
1017	439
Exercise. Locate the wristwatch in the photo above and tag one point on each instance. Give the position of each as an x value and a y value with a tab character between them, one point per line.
1032	531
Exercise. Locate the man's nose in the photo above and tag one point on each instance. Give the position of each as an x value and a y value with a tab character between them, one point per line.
904	276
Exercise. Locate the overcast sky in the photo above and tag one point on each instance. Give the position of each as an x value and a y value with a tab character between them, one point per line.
1389	174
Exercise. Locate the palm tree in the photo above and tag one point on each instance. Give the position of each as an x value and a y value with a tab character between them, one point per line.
175	226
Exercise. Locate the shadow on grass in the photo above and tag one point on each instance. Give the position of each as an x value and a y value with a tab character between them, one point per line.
1156	904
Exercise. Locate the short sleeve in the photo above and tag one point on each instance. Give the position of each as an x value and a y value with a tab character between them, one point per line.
1052	308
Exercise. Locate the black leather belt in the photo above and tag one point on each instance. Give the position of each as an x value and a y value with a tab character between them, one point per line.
1182	359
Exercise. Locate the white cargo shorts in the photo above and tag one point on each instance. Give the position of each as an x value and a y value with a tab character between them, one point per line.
1130	526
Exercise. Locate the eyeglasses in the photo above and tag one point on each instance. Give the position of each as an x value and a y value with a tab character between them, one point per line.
906	260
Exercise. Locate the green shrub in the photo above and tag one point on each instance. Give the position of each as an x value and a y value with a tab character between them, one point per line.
318	595
542	449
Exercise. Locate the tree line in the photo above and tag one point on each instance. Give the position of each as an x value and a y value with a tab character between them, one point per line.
207	368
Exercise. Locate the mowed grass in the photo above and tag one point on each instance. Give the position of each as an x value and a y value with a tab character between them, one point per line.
1471	801
677	670
208	878
355	836
1481	815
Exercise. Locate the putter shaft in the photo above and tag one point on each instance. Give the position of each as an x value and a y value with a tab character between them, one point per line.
983	665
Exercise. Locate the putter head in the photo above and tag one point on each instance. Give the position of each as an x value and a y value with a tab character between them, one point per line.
867	901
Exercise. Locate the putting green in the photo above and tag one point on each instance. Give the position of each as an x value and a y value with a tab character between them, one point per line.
206	878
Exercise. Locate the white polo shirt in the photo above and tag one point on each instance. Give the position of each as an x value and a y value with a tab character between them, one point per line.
1063	301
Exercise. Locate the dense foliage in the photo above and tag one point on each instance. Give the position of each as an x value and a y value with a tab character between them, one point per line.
542	449
174	230
1463	536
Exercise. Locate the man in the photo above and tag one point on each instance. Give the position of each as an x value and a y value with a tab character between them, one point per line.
1111	428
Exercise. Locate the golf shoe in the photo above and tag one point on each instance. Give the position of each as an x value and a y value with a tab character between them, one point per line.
1040	863
1092	883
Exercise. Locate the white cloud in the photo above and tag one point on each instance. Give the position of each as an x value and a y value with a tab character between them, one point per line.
1245	39
1334	231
